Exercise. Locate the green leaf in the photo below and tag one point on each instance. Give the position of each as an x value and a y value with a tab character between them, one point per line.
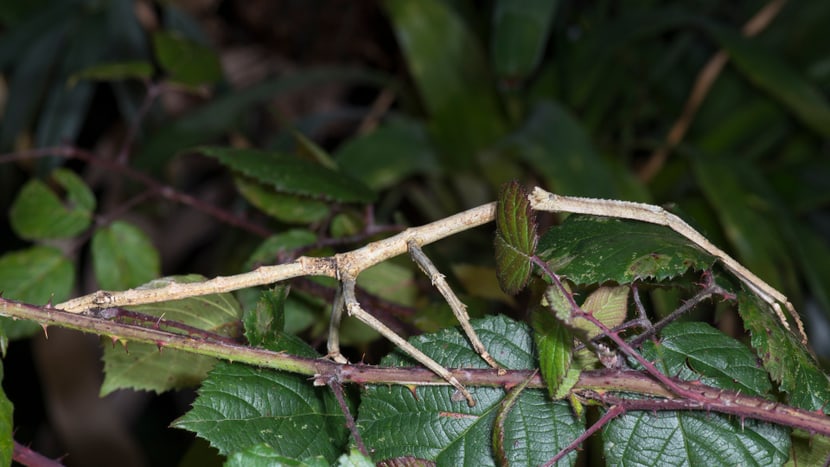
187	62
554	343
385	157
697	351
693	438
240	406
777	78
267	319
292	175
450	71
115	71
261	455
590	249
148	367
607	304
515	238
6	426
266	456
123	257
425	423
284	207
38	213
520	32
559	300
784	357
808	449
36	275
227	111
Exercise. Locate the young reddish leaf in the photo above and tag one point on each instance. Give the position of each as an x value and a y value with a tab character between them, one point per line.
515	238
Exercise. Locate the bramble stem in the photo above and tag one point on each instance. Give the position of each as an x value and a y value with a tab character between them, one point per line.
598	385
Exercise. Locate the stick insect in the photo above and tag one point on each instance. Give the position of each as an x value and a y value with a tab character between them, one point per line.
346	267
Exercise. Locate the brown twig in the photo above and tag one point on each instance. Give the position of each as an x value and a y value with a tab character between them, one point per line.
337	389
703	83
600	385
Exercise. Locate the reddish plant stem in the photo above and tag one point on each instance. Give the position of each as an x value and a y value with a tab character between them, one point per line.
577	312
25	456
154	90
159	189
600	385
337	389
609	415
126	316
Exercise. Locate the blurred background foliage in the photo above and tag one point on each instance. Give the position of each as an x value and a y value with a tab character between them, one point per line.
419	108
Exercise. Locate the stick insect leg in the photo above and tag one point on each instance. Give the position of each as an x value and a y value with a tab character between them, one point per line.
333	344
545	201
354	309
459	309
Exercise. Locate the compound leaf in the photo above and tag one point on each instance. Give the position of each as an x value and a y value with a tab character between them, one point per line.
699	352
48	277
123	257
292	175
451	433
38	213
147	367
592	249
240	406
783	356
693	438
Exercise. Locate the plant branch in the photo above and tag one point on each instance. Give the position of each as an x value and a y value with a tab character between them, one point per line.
610	414
26	456
600	385
165	191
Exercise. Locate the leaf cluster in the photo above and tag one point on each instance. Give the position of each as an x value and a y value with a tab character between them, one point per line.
126	142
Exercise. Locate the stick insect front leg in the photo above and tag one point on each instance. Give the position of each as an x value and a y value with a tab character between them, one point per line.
545	201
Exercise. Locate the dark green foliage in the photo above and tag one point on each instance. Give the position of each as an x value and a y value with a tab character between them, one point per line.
588	249
451	433
373	118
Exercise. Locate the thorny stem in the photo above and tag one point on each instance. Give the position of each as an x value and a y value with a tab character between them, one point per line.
599	385
122	314
609	415
25	456
337	389
711	289
578	312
